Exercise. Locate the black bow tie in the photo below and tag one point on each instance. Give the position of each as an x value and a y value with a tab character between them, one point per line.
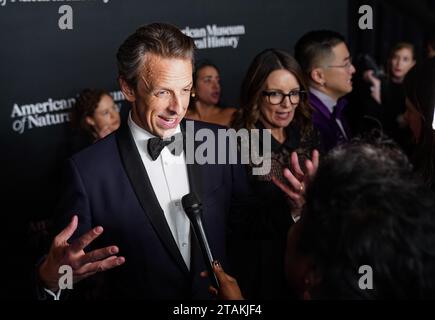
175	144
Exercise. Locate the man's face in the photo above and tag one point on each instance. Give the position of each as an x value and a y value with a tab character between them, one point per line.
162	95
338	72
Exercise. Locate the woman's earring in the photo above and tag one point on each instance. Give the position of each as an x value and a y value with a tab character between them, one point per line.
192	94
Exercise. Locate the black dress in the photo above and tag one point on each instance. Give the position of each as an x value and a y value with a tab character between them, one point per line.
258	249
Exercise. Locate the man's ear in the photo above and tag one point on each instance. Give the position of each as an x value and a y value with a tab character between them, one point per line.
128	91
317	75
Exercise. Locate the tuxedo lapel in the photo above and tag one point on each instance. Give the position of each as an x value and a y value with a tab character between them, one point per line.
144	191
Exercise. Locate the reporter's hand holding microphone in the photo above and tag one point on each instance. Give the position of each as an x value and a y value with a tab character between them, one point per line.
228	287
222	285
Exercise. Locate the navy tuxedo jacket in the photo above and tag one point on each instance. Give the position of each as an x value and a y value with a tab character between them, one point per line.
106	184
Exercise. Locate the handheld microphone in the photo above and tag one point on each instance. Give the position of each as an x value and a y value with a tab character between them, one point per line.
366	62
193	209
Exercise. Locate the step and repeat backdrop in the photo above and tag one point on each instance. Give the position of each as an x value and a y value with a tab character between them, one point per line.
51	50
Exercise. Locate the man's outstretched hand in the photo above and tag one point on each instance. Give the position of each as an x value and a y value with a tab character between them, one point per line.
83	264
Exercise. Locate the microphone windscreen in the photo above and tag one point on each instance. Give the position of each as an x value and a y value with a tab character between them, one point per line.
190	200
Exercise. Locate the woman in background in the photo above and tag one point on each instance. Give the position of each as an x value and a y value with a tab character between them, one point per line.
389	94
274	100
94	116
206	93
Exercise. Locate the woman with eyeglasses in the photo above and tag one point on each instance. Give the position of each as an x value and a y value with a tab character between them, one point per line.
273	98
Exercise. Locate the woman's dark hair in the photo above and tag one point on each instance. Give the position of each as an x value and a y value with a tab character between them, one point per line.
253	84
365	207
420	90
85	106
400	46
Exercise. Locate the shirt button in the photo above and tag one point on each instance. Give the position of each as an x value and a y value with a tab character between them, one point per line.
184	244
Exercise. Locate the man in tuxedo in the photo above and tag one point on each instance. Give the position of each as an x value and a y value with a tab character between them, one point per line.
325	58
123	194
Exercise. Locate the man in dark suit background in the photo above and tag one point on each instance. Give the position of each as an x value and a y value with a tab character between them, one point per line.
325	58
131	185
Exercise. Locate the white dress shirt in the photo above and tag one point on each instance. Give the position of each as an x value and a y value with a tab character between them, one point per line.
169	179
330	104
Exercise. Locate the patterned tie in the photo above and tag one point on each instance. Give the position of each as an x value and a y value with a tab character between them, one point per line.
174	143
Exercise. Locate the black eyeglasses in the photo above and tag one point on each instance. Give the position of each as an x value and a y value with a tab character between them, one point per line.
275	97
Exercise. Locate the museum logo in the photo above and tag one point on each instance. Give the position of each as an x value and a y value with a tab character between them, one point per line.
213	36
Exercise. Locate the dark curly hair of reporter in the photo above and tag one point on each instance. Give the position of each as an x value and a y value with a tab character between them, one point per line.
366	207
86	104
